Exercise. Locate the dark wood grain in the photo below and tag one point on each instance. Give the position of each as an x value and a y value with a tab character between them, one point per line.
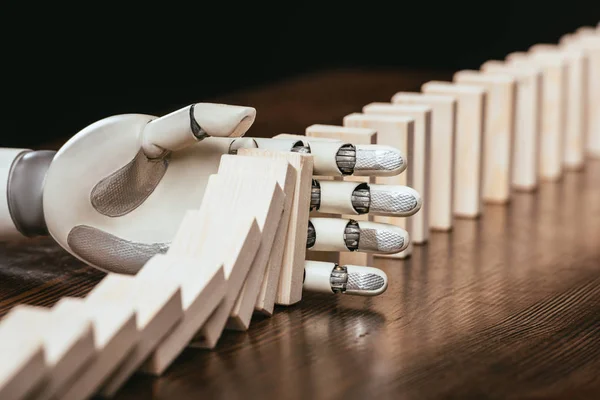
503	307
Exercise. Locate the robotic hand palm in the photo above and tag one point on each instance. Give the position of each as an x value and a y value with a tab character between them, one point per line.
115	193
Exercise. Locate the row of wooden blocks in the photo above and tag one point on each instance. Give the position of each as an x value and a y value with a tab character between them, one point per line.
242	251
475	139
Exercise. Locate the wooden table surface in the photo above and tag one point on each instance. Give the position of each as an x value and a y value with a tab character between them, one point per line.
506	306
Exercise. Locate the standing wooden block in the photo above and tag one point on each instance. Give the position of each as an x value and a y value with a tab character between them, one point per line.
592	48
68	338
356	136
468	150
553	110
524	176
397	132
498	133
421	159
115	334
273	171
590	45
575	102
23	363
265	301
158	306
441	166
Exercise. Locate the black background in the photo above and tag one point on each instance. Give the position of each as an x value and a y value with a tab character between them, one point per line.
66	67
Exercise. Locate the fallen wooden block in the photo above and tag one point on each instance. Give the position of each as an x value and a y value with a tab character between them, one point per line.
225	207
441	166
397	132
265	301
498	134
115	334
469	157
202	286
158	306
68	338
23	363
268	207
356	136
524	176
219	238
420	162
289	290
553	110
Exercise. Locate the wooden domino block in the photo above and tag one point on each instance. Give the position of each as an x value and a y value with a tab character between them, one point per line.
524	176
158	306
292	269
115	335
68	338
202	285
226	233
498	133
468	150
272	172
23	363
291	278
590	45
248	192
265	301
575	102
357	136
397	132
441	166
553	110
421	159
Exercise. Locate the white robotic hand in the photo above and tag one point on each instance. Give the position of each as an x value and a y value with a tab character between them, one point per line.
114	195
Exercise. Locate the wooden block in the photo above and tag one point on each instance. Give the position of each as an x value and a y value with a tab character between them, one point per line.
158	306
421	159
272	172
202	285
590	45
68	338
115	333
498	134
553	110
358	136
468	150
593	136
223	233
265	301
441	166
242	190
291	278
23	363
397	132
575	102
524	176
